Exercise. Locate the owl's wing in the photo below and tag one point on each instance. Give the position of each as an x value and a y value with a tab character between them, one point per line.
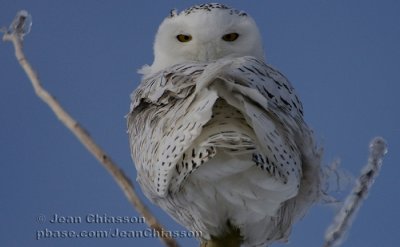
165	118
169	110
271	107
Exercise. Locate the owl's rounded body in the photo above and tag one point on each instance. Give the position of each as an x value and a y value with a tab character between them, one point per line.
217	136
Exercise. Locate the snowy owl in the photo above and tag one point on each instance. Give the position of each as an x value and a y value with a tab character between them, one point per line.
217	136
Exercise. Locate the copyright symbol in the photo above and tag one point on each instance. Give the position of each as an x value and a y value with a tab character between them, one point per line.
41	218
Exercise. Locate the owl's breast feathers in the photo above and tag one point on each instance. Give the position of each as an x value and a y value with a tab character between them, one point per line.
199	123
169	110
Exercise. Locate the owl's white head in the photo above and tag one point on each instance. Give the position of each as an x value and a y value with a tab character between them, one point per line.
204	33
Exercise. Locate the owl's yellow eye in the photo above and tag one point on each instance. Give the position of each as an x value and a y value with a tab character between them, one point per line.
184	37
230	37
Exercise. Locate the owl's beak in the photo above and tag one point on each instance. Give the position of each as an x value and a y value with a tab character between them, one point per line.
207	52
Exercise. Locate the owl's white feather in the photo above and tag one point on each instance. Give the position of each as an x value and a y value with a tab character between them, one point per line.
217	136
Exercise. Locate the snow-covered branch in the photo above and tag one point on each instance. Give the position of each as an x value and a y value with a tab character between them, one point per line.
343	220
15	34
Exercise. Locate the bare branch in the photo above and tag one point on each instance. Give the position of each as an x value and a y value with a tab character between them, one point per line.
343	220
19	28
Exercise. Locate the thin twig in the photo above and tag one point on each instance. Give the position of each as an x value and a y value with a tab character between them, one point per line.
119	176
343	220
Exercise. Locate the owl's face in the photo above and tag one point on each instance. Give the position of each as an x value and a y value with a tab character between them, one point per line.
205	33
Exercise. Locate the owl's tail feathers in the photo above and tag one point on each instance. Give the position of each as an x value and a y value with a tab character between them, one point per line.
231	238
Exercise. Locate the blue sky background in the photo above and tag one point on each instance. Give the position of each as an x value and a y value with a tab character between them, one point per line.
342	56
